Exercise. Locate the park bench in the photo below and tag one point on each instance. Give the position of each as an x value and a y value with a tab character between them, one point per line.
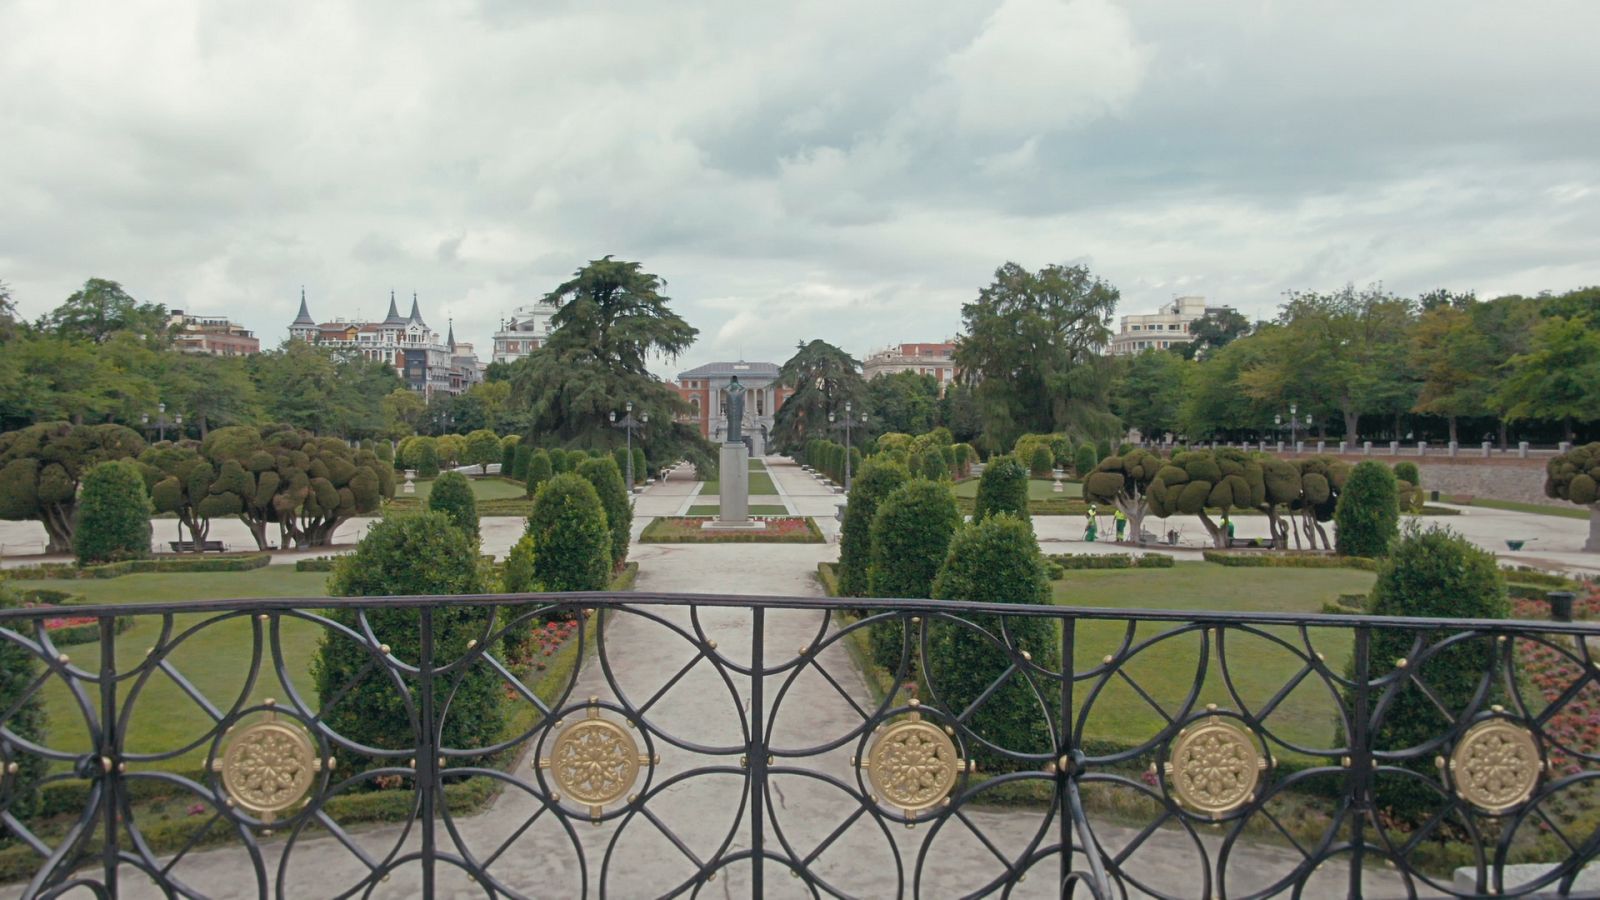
1252	544
189	547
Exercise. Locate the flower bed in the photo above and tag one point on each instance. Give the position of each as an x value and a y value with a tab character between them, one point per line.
687	530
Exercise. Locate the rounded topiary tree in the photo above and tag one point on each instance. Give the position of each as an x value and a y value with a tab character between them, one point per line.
25	718
878	478
483	448
931	465
621	455
520	457
451	447
516	577
1408	485
1408	471
508	452
1003	487
1368	513
425	457
995	561
910	536
571	542
1085	458
602	473
641	466
1574	476
422	553
113	515
1041	461
452	495
1429	574
963	458
384	451
538	471
1123	481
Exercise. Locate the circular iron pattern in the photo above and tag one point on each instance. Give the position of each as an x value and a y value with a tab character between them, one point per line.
1213	767
1495	765
594	761
913	765
268	767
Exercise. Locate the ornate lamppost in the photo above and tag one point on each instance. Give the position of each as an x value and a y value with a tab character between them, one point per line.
161	421
628	424
848	423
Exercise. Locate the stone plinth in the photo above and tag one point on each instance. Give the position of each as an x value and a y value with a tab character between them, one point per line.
733	493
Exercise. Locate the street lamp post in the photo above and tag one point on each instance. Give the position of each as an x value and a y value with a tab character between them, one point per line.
1294	424
161	421
628	424
847	424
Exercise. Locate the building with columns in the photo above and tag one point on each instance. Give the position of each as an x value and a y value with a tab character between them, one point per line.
425	361
705	390
1167	328
524	332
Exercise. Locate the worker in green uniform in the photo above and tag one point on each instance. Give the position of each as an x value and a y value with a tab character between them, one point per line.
1121	519
1227	527
1091	525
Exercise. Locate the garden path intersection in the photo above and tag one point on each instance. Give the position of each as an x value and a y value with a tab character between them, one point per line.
698	724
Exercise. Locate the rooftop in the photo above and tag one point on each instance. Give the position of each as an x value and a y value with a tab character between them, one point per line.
728	369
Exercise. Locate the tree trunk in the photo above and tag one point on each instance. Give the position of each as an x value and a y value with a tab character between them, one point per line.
1323	533
57	521
1505	436
1352	421
1135	510
1566	425
204	429
1593	544
258	530
1219	539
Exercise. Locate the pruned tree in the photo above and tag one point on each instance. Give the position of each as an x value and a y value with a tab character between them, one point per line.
1197	482
1322	480
1124	482
41	467
1574	476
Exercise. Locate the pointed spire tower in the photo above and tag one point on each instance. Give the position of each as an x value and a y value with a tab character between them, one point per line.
393	320
450	339
416	315
303	320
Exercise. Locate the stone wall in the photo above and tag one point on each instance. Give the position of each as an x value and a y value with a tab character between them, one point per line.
1524	483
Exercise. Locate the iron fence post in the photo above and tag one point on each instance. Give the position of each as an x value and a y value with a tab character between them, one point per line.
1066	757
1359	781
756	753
427	751
110	777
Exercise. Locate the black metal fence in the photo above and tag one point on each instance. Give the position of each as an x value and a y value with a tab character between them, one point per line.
795	746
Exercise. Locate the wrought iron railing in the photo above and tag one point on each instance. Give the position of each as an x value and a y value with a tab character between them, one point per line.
735	738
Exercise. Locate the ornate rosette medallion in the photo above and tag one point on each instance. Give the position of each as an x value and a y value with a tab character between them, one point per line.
1496	765
594	761
268	767
1214	766
913	765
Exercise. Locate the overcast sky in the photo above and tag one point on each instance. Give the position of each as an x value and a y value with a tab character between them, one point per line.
845	171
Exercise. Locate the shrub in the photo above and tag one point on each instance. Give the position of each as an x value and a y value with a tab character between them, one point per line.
602	473
384	451
1289	560
571	542
520	458
113	515
963	458
1368	514
452	495
559	463
517	577
1407	471
451	448
622	457
1429	574
482	448
931	465
911	534
878	478
1061	449
1111	561
538	471
994	561
1085	459
508	452
1041	461
25	718
641	466
1003	487
425	457
1574	476
423	553
1102	449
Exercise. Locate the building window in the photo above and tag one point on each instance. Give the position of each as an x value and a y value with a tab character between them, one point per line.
1133	328
761	403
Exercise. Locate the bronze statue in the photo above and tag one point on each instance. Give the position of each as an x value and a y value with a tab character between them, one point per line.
735	411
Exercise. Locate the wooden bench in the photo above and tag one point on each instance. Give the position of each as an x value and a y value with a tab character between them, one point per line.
189	547
1252	544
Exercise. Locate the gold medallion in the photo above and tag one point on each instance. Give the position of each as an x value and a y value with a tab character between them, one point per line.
1214	766
1495	766
594	761
267	767
913	765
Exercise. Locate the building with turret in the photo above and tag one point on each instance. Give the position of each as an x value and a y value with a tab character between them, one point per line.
426	362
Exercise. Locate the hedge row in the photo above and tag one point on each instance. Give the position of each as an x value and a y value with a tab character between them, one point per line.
316	564
1112	561
1280	560
237	563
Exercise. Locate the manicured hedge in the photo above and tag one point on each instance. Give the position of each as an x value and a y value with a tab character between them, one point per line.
1003	487
878	478
1112	561
609	485
113	518
317	564
184	563
910	538
1368	512
452	495
1288	560
571	540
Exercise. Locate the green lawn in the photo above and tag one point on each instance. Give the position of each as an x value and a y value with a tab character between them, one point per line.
215	659
760	483
482	489
1565	510
757	465
1038	489
1167	671
760	509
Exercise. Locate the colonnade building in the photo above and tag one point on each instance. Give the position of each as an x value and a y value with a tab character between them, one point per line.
705	389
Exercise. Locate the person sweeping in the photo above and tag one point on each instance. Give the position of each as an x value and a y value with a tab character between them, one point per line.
1091	526
1121	519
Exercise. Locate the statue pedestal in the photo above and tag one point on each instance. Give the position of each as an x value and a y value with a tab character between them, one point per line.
733	494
